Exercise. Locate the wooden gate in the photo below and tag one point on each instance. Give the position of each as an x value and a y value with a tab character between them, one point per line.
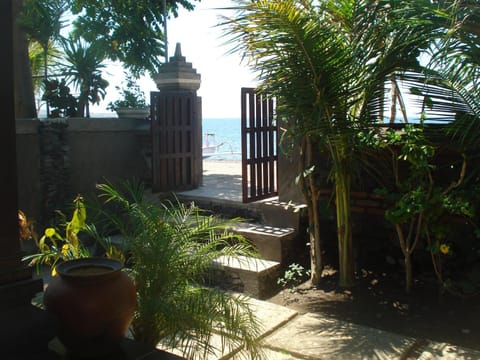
176	141
259	146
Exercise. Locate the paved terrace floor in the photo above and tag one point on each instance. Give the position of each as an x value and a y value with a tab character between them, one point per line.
285	335
288	335
222	180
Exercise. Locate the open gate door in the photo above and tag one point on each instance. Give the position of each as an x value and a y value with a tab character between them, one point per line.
176	141
259	146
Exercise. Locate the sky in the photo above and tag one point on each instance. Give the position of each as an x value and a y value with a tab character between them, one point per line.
223	75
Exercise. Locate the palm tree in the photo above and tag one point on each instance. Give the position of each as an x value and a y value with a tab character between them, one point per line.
42	21
170	249
83	64
37	66
35	55
329	62
456	60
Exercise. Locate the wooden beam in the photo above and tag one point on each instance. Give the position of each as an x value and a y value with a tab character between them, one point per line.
10	263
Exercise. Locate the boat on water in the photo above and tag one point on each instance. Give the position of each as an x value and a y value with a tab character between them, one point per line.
212	148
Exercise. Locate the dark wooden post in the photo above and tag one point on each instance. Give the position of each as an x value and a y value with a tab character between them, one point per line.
15	286
9	243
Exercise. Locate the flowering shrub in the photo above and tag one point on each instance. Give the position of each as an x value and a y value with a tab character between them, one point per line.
419	202
444	249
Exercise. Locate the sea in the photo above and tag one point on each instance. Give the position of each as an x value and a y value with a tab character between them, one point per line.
225	132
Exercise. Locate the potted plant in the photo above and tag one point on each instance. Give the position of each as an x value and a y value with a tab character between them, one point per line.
132	103
80	293
169	250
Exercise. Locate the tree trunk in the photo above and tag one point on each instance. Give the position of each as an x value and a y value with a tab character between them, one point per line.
407	250
408	272
45	74
346	260
316	261
81	106
393	100
24	95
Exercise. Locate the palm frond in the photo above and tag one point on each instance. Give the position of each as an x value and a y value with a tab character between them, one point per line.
294	67
172	247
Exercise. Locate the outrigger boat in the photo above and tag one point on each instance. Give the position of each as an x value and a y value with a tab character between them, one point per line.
210	146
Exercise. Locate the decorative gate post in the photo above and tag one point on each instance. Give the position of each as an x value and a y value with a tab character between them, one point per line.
176	127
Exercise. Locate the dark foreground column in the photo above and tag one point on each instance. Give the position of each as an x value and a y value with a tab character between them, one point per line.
15	279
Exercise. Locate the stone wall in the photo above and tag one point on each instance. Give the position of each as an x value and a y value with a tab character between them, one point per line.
72	155
62	158
28	167
54	167
103	149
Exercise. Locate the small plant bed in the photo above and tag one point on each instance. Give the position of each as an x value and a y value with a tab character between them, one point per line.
378	300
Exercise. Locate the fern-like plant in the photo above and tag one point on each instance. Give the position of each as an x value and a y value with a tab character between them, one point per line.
171	248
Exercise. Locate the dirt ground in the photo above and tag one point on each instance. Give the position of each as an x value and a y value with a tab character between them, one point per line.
379	300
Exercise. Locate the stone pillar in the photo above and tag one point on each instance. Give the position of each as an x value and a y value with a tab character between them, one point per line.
15	285
178	76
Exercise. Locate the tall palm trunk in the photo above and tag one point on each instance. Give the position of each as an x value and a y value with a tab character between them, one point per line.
316	261
82	103
346	260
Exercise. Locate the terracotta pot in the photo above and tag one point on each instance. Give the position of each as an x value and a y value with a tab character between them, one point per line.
93	301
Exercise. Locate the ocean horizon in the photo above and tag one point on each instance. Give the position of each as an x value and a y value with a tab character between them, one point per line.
225	133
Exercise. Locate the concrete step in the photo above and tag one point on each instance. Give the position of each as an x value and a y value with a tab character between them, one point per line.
225	208
272	243
280	213
252	276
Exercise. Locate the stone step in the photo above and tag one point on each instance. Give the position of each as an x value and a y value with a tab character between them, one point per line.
225	208
252	276
280	213
272	243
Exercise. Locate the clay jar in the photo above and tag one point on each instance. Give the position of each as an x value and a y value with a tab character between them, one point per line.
93	301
